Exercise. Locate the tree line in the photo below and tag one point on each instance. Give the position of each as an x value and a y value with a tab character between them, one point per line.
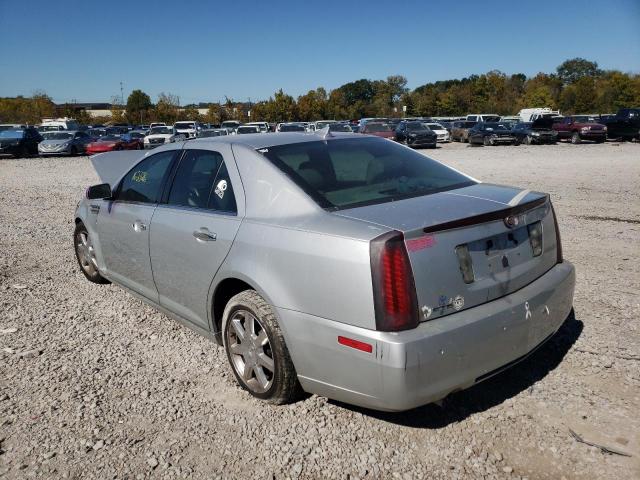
576	86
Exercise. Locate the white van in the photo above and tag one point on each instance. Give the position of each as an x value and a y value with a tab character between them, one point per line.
531	114
49	124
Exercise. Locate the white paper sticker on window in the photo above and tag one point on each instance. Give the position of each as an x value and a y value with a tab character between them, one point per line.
220	188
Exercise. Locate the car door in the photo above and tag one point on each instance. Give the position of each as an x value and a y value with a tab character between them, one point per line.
193	230
123	223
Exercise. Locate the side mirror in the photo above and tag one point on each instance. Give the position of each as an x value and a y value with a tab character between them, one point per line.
100	191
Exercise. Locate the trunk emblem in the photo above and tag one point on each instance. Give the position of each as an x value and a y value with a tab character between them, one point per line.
426	311
527	314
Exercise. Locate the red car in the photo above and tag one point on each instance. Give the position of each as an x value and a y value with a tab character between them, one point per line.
379	129
109	143
578	128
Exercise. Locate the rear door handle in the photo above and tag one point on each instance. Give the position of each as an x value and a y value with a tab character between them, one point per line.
204	235
138	226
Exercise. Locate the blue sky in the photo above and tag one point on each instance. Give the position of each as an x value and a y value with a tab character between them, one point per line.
204	50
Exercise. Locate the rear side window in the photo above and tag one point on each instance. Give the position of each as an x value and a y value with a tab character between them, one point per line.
202	181
144	182
346	173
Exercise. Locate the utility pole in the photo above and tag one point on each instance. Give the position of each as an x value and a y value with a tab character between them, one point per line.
121	94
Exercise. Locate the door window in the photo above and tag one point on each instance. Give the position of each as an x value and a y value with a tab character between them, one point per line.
194	178
144	182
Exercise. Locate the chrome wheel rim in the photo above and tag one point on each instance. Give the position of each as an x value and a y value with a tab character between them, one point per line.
250	351
86	253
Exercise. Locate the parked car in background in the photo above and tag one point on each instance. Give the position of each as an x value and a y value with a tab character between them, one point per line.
157	124
96	133
460	130
537	132
262	126
424	281
625	124
577	128
491	133
214	132
441	132
188	128
12	126
65	142
19	142
244	129
320	124
110	143
340	127
230	125
379	129
117	130
161	135
483	117
415	134
289	127
509	121
447	125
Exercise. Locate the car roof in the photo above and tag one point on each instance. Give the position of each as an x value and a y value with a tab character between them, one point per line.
260	140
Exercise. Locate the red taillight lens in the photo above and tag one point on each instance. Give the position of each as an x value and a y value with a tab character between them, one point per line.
558	241
394	290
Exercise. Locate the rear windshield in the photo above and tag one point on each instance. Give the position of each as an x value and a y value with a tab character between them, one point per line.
377	127
291	128
348	173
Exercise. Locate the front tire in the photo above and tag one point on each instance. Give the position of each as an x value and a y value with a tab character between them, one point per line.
85	254
575	138
486	141
256	349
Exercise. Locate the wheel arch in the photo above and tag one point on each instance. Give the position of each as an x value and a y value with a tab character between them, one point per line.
223	291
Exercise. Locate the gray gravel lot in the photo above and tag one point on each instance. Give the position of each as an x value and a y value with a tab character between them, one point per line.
94	384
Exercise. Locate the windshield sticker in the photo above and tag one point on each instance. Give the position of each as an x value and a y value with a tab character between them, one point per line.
140	177
220	188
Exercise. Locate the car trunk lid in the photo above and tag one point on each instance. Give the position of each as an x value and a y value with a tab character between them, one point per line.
467	229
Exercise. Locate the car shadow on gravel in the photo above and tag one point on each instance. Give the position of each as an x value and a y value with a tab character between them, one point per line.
493	391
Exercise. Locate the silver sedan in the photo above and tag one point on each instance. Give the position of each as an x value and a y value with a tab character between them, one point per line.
333	263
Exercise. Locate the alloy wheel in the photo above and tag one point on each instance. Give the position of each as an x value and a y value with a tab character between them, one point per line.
86	253
250	351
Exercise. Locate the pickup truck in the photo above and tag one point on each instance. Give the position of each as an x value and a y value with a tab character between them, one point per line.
625	124
579	127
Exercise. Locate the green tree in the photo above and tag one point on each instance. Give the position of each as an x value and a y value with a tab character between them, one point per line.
166	109
138	106
570	71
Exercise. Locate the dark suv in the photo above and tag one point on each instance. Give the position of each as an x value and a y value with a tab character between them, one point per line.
20	142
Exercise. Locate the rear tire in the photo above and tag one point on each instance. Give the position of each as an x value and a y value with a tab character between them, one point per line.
256	349
527	140
85	254
73	152
575	138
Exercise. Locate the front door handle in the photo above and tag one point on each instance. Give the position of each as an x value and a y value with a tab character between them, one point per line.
138	226
204	235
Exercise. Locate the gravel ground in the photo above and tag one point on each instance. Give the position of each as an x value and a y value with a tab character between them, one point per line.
94	384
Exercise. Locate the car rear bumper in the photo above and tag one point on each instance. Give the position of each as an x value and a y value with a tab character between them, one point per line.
415	367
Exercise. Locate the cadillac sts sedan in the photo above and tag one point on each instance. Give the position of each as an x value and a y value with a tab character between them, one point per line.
343	265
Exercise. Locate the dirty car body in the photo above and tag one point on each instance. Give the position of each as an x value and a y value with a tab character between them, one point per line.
394	279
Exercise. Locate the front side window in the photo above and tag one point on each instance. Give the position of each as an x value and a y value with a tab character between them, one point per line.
194	178
346	173
144	182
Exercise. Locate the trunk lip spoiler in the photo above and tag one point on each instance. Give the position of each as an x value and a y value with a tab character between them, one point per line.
487	217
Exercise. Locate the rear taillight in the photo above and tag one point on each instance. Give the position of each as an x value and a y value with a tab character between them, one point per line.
558	241
394	290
